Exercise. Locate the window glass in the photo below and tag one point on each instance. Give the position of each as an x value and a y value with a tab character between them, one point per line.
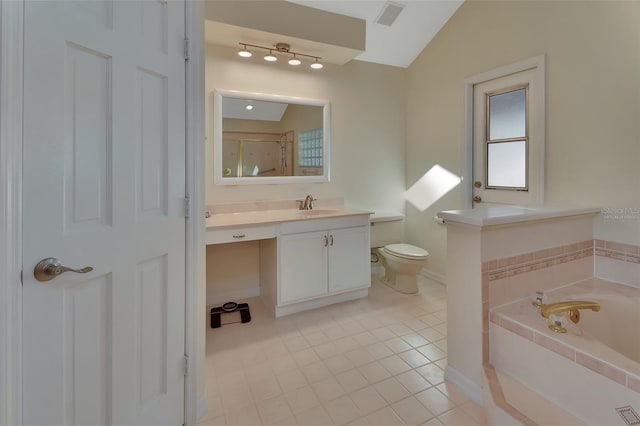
507	164
507	115
310	148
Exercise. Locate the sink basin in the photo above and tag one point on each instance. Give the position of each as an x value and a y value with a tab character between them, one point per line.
319	212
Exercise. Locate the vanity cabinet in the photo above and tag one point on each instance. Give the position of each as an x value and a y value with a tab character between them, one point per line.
321	263
307	259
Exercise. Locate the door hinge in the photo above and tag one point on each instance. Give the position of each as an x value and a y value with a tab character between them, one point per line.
186	365
187	207
186	49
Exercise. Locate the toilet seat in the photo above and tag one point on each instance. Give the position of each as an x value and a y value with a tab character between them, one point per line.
406	251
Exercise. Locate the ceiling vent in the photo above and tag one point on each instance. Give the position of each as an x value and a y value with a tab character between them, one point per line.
389	13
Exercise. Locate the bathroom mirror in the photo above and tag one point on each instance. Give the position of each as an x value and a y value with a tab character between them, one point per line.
264	139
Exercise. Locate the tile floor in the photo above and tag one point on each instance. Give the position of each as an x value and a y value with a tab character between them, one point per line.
374	361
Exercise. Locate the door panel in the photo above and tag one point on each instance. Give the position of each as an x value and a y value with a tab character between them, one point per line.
303	266
349	260
104	182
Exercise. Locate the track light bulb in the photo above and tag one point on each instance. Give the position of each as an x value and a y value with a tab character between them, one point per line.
244	52
316	65
294	61
270	57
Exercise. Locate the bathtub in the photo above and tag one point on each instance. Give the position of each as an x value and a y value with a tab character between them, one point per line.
593	370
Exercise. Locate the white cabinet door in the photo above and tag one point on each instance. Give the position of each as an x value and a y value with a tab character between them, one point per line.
349	263
303	266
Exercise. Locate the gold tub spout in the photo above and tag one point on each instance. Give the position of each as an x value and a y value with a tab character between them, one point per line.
572	307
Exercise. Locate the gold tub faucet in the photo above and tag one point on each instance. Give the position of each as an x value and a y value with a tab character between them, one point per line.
572	307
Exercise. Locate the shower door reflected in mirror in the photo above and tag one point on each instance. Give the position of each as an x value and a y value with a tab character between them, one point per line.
262	138
246	153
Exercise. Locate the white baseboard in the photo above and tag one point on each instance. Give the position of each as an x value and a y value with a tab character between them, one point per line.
232	296
320	302
434	276
472	390
202	406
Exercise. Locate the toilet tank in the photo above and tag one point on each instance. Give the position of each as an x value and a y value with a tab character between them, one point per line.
386	228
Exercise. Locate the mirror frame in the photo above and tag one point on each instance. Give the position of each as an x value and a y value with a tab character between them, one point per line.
218	179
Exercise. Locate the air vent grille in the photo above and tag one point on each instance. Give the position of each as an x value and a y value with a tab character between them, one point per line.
389	13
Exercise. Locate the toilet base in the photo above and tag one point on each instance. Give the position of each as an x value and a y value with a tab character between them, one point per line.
407	284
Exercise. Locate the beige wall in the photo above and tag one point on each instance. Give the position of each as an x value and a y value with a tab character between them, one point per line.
593	104
367	118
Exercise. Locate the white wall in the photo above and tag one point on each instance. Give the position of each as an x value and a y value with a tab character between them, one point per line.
593	104
368	127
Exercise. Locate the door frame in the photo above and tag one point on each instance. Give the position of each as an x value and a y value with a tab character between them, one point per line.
11	24
537	63
11	145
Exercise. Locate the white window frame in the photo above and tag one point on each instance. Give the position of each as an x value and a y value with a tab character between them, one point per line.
537	126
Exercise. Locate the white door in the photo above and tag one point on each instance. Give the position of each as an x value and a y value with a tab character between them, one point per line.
349	259
104	183
303	266
508	139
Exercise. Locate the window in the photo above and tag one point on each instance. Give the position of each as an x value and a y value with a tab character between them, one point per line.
310	143
506	139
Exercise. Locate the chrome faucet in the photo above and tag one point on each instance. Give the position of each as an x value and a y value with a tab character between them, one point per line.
307	204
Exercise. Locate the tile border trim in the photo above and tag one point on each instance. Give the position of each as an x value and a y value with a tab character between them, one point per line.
618	251
541	259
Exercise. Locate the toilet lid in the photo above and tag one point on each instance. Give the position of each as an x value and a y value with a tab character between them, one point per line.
406	251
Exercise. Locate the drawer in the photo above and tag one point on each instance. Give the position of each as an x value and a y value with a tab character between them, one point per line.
240	234
324	224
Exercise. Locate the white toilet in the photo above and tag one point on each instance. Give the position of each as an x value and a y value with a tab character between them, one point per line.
402	262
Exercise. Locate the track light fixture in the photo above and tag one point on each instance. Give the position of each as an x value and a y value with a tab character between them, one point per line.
282	48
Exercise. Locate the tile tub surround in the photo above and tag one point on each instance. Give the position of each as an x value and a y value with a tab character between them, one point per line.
524	320
617	262
618	251
505	396
518	277
604	378
515	277
508	279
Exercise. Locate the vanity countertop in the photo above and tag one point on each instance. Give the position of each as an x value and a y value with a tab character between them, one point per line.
263	217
